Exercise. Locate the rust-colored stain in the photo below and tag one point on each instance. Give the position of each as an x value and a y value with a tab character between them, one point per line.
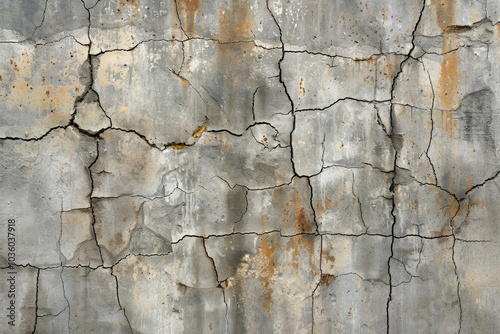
302	88
325	254
445	229
455	218
210	326
235	22
449	80
383	11
267	266
323	205
135	3
200	130
298	244
445	12
177	146
450	126
326	279
301	223
117	240
286	215
263	220
187	11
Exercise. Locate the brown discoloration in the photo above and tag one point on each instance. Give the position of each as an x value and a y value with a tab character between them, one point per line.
301	223
135	3
326	279
451	127
325	254
302	88
286	215
210	326
266	264
177	146
449	78
445	230
200	130
383	11
235	23
445	12
263	221
456	218
117	240
187	12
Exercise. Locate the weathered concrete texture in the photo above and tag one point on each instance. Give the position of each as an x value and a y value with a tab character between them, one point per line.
424	283
39	85
43	182
354	283
265	166
256	273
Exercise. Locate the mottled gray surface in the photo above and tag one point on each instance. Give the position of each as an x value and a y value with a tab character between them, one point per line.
266	166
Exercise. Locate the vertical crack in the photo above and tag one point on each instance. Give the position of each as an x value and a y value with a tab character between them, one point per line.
36	299
319	282
91	177
458	281
119	302
312	205
359	202
43	19
65	297
227	310
280	76
393	180
221	284
432	126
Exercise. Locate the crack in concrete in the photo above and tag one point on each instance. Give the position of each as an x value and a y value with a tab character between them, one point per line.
393	179
119	302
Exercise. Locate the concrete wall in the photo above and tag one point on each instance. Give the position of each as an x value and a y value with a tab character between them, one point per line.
249	166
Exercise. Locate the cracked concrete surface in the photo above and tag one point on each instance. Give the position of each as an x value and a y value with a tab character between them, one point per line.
267	166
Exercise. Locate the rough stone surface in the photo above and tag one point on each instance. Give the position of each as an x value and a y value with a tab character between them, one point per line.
265	166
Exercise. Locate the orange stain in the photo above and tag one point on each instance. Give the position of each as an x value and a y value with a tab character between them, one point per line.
302	88
267	268
235	23
188	10
445	12
448	80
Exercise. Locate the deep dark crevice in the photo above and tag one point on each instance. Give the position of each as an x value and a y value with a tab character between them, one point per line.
393	180
217	277
313	209
36	300
281	80
347	98
481	184
92	211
